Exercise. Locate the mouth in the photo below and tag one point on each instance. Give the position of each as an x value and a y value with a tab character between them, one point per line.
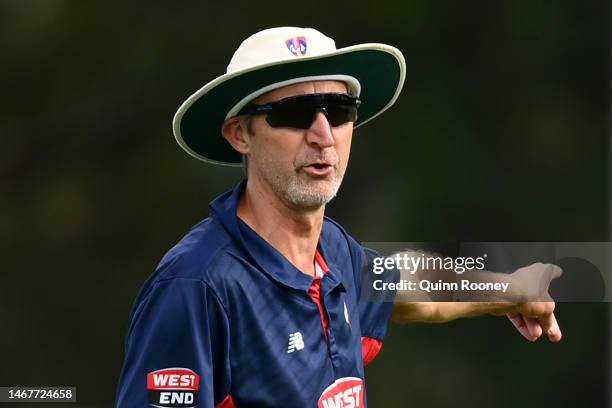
318	169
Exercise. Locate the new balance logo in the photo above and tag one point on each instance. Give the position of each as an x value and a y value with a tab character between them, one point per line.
296	342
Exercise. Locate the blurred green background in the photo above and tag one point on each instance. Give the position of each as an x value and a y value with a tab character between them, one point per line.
500	134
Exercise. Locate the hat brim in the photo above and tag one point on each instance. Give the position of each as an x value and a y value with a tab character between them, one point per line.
379	68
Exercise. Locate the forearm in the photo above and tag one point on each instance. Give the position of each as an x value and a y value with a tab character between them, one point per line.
440	312
472	293
486	287
455	303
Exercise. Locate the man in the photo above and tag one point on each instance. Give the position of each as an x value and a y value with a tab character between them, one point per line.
259	304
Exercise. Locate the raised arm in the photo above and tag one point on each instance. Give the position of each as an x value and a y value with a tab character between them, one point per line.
526	302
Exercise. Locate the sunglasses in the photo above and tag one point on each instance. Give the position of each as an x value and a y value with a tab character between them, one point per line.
300	111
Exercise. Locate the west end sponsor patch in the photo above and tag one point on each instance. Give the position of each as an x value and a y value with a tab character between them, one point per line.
173	387
345	392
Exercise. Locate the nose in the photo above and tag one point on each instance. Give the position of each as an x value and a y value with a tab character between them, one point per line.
320	132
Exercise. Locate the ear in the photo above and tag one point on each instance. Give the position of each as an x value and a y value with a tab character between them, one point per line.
234	132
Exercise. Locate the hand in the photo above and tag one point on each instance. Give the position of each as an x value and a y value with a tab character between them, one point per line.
532	318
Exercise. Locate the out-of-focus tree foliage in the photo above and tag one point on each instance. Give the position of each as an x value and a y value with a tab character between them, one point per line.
500	134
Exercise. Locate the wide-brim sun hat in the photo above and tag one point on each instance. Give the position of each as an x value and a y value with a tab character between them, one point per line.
277	57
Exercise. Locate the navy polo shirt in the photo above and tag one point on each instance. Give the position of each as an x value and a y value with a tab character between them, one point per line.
226	320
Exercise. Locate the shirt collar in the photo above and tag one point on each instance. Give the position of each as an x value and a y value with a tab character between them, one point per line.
260	252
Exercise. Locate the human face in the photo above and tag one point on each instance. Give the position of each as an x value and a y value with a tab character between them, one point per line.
302	167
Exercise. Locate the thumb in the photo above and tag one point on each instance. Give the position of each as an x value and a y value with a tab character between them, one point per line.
551	271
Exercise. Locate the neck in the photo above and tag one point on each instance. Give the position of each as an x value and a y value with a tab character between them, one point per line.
294	232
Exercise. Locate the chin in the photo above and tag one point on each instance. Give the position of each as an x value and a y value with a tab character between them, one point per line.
311	197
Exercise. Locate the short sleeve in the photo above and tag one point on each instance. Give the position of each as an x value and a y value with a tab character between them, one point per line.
374	307
177	348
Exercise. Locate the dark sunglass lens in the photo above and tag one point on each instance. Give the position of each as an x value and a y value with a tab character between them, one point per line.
295	114
300	112
340	114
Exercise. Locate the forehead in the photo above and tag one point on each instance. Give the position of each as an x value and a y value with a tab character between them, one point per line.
303	88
